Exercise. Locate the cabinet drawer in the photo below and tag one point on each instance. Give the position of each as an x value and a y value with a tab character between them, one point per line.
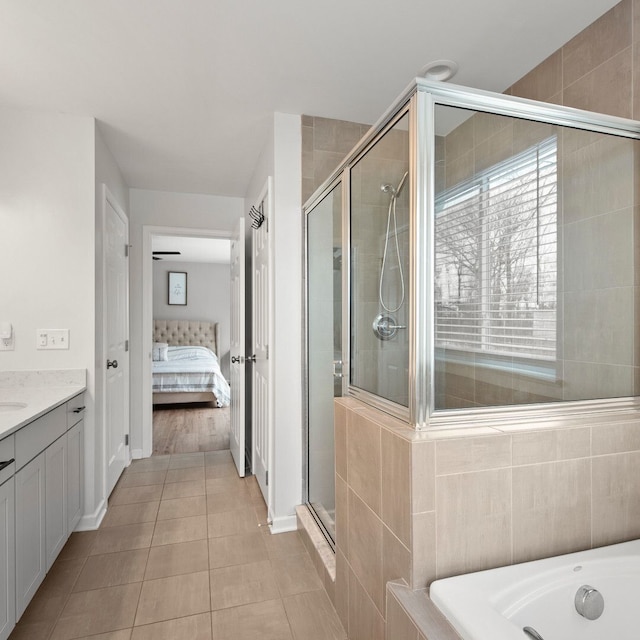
75	410
39	434
7	452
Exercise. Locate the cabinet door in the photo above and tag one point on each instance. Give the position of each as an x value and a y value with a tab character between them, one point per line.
7	560
75	475
30	532
55	482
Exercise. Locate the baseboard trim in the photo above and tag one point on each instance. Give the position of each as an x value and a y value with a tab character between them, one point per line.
92	521
137	454
284	524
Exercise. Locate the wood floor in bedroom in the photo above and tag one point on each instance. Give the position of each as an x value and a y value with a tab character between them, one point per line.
190	428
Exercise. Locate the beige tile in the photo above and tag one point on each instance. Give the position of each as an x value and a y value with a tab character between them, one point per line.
265	620
173	597
142	479
155	463
213	458
238	549
186	460
365	621
112	569
220	470
99	611
363	460
32	630
62	576
423	481
472	454
396	558
230	485
551	509
118	515
232	522
182	508
124	538
399	625
340	436
176	490
615	438
606	89
196	627
396	485
190	474
616	498
312	617
423	558
473	529
283	544
342	589
131	495
543	81
221	502
295	574
78	545
180	530
365	548
175	559
551	445
599	42
123	634
342	515
242	584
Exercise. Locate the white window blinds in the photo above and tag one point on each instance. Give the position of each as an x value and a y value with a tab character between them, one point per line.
496	258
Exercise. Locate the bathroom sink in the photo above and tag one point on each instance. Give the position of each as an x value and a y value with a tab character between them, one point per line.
12	406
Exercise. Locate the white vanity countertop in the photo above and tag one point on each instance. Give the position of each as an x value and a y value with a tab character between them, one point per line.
41	393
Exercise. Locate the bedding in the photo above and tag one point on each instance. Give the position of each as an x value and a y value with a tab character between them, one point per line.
192	369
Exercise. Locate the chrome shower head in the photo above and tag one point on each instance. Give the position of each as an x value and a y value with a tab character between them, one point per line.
394	191
386	188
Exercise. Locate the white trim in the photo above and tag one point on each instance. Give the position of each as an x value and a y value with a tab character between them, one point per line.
136	454
284	524
92	521
148	231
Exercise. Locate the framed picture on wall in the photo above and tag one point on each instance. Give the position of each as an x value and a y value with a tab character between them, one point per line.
177	287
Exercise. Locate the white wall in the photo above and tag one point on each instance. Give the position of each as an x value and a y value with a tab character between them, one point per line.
282	159
47	247
208	298
164	209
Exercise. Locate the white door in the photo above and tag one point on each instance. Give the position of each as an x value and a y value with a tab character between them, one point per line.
116	312
261	313
236	437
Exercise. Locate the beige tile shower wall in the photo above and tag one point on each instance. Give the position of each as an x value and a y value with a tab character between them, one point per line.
325	144
599	70
417	506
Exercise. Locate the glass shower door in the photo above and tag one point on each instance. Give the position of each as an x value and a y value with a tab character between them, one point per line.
324	351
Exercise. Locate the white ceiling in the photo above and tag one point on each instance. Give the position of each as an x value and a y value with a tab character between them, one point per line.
185	90
211	250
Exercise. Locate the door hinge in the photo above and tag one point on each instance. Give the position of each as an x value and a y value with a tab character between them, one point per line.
266	223
126	439
126	250
266	481
267	354
126	345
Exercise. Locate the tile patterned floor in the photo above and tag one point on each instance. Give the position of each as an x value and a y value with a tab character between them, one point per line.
180	555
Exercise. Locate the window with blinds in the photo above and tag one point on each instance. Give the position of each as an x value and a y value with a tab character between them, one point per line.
496	258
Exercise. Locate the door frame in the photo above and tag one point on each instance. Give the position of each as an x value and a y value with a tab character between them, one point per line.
108	197
145	392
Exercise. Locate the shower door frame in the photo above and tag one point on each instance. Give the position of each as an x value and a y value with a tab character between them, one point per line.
338	180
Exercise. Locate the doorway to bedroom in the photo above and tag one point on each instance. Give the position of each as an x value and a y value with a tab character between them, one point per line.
191	343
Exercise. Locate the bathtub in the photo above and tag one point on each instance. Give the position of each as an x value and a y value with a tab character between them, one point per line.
541	596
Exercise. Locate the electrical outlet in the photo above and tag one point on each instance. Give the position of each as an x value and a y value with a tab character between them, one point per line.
8	344
52	338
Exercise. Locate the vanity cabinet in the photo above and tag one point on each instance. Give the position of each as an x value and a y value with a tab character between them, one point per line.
75	462
31	561
7	558
55	483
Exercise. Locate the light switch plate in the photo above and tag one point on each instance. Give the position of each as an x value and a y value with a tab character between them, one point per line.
52	338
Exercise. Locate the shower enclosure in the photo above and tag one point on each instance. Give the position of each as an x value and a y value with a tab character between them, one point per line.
491	264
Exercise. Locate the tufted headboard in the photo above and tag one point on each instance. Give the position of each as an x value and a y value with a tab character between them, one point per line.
180	333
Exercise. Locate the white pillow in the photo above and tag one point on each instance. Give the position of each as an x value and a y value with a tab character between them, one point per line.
160	351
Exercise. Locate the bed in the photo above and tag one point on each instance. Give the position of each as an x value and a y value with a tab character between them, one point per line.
185	363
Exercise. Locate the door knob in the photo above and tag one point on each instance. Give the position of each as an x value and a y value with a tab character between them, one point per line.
236	359
251	358
112	363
